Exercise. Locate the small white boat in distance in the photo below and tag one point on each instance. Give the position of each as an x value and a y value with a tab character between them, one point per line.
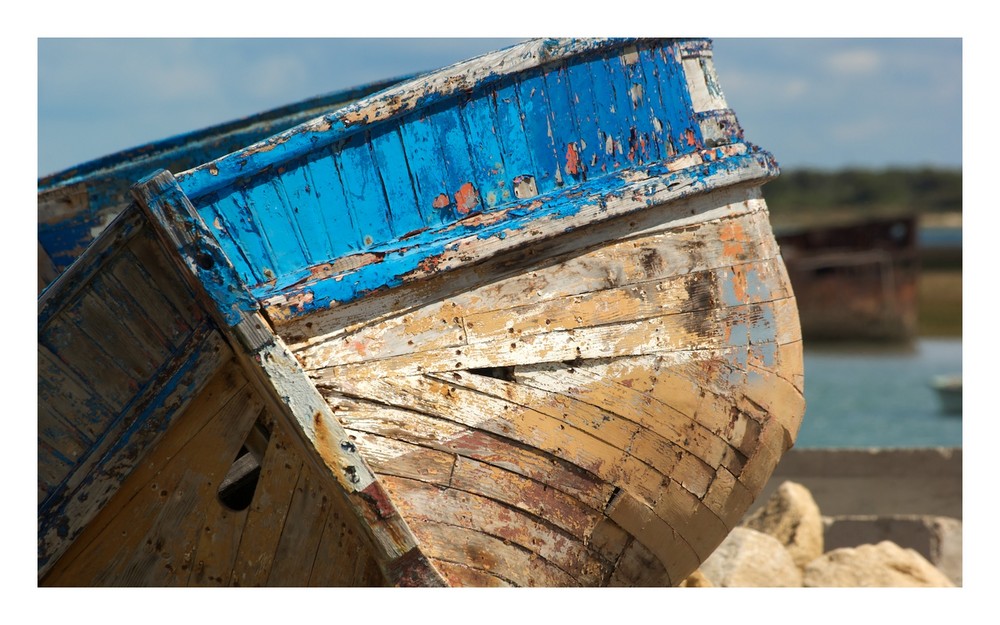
949	389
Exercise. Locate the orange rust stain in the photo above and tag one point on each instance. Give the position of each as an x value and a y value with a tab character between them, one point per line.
359	347
440	201
739	284
465	199
689	135
572	160
733	238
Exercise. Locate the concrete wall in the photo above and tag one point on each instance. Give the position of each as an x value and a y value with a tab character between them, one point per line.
877	482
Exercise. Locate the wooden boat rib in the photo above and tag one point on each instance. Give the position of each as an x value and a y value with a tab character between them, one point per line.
521	321
76	204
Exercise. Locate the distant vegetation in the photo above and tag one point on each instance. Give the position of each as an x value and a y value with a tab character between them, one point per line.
861	191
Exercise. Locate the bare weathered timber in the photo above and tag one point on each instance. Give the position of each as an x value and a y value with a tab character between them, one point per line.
519	322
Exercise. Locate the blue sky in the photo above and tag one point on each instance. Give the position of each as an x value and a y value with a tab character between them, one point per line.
813	102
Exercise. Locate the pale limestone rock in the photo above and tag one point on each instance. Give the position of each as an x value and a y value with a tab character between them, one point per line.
791	516
750	559
697	580
939	539
883	565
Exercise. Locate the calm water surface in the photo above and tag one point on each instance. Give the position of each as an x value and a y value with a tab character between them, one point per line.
879	397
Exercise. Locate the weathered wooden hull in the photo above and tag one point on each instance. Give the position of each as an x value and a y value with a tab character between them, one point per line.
75	205
576	373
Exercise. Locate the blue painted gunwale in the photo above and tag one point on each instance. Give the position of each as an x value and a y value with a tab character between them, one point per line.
106	180
489	153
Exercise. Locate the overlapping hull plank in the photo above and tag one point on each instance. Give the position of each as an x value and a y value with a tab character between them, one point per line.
519	322
647	428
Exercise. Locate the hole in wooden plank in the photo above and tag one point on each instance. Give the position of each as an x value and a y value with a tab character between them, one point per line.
499	373
238	487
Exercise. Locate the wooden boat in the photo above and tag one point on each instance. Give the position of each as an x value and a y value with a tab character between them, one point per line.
76	204
521	321
855	281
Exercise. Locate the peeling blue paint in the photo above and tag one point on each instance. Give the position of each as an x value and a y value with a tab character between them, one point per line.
481	159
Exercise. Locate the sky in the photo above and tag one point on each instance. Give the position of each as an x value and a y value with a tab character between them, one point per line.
825	103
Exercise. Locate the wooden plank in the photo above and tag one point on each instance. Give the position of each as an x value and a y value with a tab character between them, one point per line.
287	391
268	512
609	540
465	577
342	558
388	456
429	431
390	159
662	540
302	531
638	566
516	566
532	497
207	436
452	506
95	480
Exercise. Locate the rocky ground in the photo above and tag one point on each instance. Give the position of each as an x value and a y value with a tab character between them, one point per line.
789	543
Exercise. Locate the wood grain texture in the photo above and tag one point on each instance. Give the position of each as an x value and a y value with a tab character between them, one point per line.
658	375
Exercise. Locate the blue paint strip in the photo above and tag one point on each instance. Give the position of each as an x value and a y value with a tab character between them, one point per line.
563	122
302	203
423	158
394	174
408	256
230	242
533	99
277	228
364	192
515	155
479	125
329	195
456	166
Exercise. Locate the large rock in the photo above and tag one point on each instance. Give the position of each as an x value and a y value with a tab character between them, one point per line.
696	580
748	558
939	539
883	565
791	516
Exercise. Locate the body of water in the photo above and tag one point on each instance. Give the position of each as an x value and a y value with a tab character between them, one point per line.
879	397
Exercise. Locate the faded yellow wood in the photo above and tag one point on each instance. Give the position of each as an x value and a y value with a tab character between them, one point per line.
533	497
727	498
477	511
608	539
388	456
513	564
463	576
669	547
638	566
342	558
442	435
302	531
206	438
279	471
624	383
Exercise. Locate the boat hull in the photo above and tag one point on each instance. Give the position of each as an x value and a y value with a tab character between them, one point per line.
549	361
593	410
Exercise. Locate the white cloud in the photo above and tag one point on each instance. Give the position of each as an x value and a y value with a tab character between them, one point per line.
856	61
